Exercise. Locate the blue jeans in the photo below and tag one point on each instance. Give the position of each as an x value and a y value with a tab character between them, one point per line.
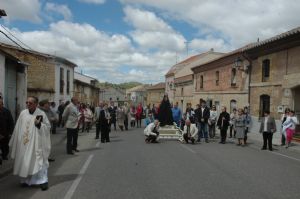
202	130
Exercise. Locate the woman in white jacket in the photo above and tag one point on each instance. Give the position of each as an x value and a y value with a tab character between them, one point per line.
289	126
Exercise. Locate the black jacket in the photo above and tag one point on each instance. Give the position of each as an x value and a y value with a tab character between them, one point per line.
205	115
6	122
225	123
104	123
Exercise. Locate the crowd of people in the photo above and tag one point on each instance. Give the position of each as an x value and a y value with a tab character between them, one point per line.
202	122
30	143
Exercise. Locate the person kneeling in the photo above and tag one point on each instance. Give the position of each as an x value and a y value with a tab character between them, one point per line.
189	132
152	132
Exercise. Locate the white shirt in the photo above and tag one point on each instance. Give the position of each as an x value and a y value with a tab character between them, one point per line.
266	124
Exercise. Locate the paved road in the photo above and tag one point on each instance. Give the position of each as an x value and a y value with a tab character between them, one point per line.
129	168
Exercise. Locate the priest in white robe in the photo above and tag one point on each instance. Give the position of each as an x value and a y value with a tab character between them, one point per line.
31	146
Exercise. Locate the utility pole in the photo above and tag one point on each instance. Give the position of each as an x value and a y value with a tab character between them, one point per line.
187	47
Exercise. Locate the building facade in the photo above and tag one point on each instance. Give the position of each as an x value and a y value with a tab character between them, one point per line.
85	89
155	94
137	95
275	76
48	77
184	79
111	94
13	83
221	83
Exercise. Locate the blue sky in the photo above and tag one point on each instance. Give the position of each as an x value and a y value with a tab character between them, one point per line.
139	40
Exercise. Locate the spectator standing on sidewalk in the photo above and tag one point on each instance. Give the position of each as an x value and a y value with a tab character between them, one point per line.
97	117
289	127
176	112
88	118
232	120
247	123
54	122
202	116
283	119
223	123
239	126
105	124
267	128
71	115
212	122
6	129
60	111
44	105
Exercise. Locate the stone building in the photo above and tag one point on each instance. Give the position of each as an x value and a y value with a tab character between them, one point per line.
221	83
85	89
13	83
111	94
155	94
184	79
48	77
275	75
137	95
170	76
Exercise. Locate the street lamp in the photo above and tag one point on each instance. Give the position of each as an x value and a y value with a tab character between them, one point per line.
2	13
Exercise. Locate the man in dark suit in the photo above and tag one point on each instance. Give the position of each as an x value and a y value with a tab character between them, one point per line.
267	128
104	121
113	114
202	115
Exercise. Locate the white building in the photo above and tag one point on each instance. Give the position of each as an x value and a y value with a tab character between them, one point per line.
13	83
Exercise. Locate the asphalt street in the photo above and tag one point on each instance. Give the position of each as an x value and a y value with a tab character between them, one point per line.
127	167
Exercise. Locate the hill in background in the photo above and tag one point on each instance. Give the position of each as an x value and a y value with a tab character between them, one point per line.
126	85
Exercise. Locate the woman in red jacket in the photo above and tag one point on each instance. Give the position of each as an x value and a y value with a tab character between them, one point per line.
138	116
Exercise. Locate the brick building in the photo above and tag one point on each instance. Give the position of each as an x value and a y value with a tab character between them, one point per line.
275	75
184	79
220	82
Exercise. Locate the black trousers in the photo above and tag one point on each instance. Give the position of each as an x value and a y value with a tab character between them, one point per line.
187	138
72	137
223	134
138	122
282	139
4	147
151	138
268	137
246	137
105	136
53	127
97	130
126	123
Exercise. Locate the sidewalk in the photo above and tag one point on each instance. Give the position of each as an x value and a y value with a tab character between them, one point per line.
7	165
257	137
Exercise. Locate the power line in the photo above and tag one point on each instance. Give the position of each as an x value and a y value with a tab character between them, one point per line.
15	37
12	39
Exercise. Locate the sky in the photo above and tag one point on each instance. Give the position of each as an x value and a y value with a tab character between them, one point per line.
139	40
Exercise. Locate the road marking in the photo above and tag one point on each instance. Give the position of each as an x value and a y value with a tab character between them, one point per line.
98	145
286	156
76	182
188	148
276	153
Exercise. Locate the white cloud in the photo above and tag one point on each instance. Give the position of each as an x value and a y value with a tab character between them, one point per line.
236	21
60	9
26	10
93	1
152	30
98	53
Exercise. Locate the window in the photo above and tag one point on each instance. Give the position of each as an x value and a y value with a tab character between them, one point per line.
264	104
217	78
181	91
197	82
201	81
233	77
68	82
61	81
265	70
232	105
